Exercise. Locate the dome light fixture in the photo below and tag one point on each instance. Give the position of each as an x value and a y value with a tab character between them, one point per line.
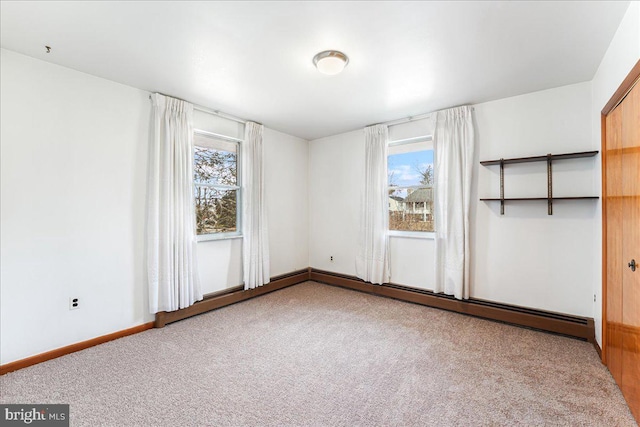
330	62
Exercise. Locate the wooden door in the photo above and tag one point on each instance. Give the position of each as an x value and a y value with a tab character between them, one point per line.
622	246
631	249
613	200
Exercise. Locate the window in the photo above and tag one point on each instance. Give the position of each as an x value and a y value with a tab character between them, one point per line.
216	185
410	184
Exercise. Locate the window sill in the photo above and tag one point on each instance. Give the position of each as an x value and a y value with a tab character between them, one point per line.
221	236
426	235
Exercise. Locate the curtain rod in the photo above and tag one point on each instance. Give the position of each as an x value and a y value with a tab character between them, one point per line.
406	119
210	111
409	119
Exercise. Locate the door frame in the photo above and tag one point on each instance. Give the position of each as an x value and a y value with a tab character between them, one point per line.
625	87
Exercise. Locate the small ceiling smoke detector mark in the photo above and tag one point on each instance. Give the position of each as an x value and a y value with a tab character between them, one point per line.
48	49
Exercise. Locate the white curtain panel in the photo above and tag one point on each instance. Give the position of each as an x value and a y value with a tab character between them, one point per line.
372	261
171	233
453	140
255	236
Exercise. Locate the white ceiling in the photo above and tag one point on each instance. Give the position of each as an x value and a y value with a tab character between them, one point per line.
254	59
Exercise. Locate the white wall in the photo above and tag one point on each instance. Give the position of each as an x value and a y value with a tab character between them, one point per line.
336	173
73	194
73	178
286	173
621	56
527	257
405	269
219	261
524	258
336	180
286	185
73	174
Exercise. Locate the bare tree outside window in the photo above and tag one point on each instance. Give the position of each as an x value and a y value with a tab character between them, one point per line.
426	174
215	185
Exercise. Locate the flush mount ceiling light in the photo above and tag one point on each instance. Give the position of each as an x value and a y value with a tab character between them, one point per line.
330	62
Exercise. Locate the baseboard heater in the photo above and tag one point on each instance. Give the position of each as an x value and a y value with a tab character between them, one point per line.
230	296
563	324
571	326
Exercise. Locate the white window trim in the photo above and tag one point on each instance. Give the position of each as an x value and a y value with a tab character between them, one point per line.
238	233
217	136
218	236
426	235
413	140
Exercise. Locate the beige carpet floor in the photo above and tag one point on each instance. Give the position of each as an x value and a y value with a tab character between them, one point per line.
316	355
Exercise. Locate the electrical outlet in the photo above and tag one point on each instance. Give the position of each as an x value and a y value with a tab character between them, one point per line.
74	303
331	258
594	297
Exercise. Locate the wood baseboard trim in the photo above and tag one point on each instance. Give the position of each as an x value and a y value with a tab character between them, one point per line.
598	350
572	326
62	351
231	296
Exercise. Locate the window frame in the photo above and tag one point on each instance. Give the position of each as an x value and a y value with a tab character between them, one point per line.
238	188
407	233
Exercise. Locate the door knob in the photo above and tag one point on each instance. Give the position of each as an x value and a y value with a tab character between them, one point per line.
632	265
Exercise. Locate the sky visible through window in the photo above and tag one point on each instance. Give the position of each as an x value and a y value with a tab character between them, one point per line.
404	169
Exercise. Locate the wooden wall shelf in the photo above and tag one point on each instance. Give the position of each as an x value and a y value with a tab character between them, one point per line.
519	199
539	158
549	158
